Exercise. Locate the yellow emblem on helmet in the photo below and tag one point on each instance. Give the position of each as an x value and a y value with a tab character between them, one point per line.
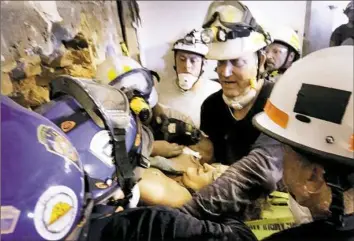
58	211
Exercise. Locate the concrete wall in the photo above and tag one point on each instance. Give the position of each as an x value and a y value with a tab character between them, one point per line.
41	39
322	18
163	22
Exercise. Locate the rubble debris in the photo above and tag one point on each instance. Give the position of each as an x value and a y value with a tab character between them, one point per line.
6	84
28	94
26	67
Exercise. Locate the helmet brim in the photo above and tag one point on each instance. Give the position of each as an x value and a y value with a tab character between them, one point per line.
264	124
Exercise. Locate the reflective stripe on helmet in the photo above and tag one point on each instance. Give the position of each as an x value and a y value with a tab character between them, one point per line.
278	116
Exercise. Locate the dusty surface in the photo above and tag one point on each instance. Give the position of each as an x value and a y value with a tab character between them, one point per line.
41	40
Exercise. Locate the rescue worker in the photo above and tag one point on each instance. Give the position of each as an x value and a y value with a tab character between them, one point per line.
189	88
226	115
315	122
282	53
344	34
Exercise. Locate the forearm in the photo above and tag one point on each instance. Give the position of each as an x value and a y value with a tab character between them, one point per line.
245	181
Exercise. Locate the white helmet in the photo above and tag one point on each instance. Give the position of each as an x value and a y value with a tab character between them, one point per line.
288	37
131	75
229	37
192	43
311	106
228	13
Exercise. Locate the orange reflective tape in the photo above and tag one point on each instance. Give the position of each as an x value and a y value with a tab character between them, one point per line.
351	143
278	116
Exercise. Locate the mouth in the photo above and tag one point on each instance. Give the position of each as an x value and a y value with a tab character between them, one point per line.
229	84
268	63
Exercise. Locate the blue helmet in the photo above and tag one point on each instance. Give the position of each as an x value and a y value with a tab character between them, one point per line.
42	179
97	120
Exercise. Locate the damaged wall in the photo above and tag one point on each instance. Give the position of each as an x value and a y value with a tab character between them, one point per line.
43	39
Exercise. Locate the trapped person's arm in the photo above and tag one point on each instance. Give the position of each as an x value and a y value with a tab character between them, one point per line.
243	182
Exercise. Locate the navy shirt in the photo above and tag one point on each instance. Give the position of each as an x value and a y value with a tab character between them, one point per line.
341	34
231	139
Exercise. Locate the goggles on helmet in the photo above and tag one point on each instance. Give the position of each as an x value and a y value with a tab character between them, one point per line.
220	34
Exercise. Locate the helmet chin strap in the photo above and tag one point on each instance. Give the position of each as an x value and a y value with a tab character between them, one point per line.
239	102
282	68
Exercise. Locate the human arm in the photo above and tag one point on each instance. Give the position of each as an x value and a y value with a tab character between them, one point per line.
243	182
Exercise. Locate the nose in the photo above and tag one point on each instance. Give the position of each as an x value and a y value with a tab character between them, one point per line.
269	54
225	69
188	65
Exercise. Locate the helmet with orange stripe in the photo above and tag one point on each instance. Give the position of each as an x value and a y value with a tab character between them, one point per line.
315	118
318	102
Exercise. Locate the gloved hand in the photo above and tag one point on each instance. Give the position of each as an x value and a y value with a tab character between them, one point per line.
166	149
164	164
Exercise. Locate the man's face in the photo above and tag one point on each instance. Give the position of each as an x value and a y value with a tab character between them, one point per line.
306	183
276	55
188	63
197	178
235	75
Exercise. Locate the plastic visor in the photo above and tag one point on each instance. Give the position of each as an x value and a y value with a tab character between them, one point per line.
111	103
141	80
137	79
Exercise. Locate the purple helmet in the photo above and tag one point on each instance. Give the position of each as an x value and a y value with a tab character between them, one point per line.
42	179
90	135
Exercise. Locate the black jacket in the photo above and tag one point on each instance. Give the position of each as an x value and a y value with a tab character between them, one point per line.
163	224
315	231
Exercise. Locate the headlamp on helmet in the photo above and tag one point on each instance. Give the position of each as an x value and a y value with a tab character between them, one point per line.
193	43
220	34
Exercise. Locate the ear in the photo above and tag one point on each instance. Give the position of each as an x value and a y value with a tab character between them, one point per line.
262	58
291	57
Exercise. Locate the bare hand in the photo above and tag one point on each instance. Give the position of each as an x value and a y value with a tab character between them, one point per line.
166	149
